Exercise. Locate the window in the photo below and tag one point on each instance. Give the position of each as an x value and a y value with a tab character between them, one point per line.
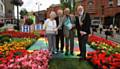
102	9
118	2
81	0
110	3
90	0
90	3
2	0
91	8
1	7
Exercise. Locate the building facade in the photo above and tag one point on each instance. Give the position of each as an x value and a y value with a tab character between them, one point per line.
102	11
9	9
2	9
53	7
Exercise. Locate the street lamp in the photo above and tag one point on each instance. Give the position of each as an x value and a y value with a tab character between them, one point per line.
39	4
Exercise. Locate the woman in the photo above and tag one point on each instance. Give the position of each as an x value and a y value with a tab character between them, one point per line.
68	25
51	29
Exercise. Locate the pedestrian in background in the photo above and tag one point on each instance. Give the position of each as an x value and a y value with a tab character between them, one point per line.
101	28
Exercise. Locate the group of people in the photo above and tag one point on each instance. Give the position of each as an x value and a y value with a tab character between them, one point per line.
61	25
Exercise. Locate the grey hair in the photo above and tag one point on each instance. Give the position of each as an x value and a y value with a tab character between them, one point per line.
81	8
53	14
67	9
59	11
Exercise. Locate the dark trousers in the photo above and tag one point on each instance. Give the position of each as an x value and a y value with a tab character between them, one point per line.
72	33
82	45
60	37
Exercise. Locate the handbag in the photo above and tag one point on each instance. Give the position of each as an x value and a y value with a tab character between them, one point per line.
68	23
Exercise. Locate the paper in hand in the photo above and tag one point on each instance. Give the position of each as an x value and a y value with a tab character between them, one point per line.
82	33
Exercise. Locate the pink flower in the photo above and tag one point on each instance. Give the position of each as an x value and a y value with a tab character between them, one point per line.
3	66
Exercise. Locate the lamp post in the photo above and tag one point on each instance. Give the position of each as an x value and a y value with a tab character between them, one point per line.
39	4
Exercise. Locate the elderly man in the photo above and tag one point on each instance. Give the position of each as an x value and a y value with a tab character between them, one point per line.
83	24
60	35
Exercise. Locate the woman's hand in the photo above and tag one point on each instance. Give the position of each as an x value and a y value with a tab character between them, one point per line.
56	29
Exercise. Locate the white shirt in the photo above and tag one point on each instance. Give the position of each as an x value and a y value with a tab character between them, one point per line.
49	26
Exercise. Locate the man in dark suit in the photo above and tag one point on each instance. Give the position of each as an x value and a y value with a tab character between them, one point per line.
60	35
83	24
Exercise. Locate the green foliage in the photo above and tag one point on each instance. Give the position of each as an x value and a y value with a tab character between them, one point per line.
29	21
68	3
17	2
23	12
4	38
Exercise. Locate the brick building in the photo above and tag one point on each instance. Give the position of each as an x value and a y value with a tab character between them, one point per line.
106	12
6	11
2	9
53	7
102	11
9	9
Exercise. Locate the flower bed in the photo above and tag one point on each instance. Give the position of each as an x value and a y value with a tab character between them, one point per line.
19	34
103	61
108	46
22	59
107	54
16	44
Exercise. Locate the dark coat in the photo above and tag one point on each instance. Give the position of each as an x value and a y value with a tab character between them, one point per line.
86	24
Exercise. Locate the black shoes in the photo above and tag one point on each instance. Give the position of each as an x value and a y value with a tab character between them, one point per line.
66	53
61	51
79	55
71	53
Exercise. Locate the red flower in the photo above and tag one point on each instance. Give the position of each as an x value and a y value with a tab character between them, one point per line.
104	67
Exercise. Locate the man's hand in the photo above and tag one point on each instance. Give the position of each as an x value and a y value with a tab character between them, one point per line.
73	25
81	23
82	33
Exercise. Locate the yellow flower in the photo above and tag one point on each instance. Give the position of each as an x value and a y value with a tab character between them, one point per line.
1	48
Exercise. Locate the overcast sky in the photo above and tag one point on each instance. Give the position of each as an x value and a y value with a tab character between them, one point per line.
31	5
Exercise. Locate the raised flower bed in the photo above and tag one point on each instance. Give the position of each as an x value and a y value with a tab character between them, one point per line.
22	59
19	34
16	44
102	61
100	43
107	54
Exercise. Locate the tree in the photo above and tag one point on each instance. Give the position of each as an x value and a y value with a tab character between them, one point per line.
23	12
28	21
68	3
